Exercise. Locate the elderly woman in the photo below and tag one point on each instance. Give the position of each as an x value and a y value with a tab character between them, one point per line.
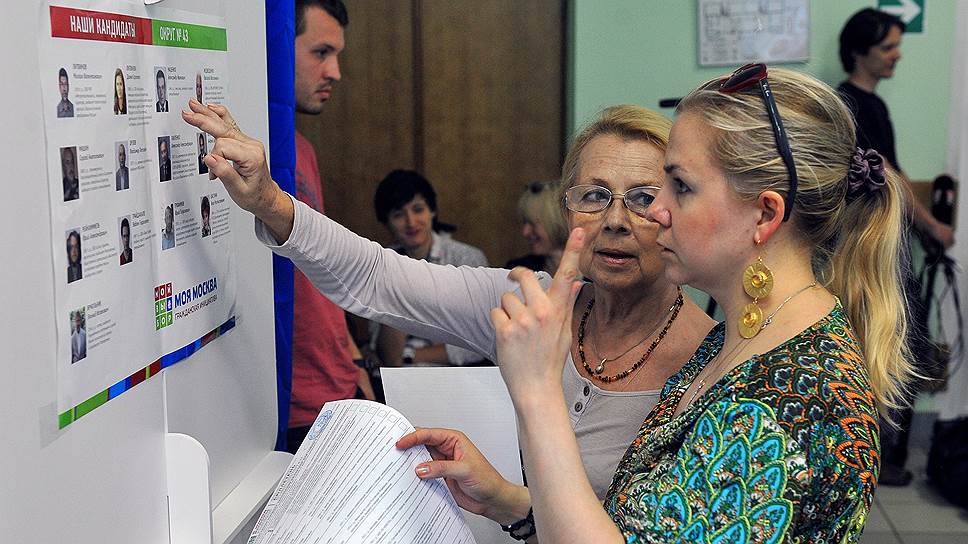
542	226
769	432
636	330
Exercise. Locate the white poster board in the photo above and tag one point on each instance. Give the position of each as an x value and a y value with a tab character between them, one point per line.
144	272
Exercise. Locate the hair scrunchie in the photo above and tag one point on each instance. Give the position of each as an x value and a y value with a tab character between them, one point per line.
866	173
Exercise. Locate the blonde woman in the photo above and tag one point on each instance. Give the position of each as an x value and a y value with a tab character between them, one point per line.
543	226
769	432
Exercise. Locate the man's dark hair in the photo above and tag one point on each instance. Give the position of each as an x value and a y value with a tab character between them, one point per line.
62	73
206	205
865	29
398	188
124	223
334	8
160	75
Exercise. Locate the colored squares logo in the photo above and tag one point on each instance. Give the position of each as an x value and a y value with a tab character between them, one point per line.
163	306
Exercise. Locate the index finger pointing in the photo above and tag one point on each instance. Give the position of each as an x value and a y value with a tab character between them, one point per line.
561	285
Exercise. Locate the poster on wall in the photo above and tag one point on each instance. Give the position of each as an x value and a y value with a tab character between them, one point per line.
141	240
736	32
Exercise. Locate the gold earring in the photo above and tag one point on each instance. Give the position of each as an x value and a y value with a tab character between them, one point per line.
758	283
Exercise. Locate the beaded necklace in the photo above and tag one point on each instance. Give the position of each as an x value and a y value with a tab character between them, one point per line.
596	373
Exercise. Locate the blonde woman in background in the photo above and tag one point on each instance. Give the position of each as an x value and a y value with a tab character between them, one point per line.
543	226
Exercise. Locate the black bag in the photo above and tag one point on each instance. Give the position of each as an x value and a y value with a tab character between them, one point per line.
948	460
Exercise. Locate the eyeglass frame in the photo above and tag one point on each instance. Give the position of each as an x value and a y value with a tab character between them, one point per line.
735	83
611	197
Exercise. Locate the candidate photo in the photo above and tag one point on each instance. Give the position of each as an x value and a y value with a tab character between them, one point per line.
206	216
121	171
202	151
65	108
69	175
161	87
78	335
164	158
120	95
127	255
73	256
168	233
198	87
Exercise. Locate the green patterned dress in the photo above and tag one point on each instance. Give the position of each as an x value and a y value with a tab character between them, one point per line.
783	448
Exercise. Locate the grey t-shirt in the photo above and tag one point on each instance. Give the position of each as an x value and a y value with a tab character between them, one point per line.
452	305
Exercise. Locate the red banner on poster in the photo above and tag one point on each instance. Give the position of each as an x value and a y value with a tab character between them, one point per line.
98	25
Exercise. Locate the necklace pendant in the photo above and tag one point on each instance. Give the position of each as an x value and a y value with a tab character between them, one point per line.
601	367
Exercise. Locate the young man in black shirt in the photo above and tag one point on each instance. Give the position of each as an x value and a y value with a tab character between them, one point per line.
870	47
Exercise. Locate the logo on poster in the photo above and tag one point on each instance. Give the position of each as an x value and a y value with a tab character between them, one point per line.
185	301
163	306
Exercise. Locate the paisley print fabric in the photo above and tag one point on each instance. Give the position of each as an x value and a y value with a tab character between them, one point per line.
782	449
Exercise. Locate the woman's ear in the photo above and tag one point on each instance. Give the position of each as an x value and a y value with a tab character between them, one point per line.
770	206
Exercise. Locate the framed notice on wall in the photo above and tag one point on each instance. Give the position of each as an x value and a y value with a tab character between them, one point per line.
740	31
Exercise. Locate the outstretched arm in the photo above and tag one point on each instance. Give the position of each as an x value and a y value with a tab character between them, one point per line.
441	303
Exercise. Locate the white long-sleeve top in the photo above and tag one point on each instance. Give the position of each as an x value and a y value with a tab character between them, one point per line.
452	305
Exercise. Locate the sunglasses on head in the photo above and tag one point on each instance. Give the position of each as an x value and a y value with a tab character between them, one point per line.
755	74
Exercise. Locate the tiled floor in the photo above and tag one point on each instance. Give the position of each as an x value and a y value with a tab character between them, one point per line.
915	514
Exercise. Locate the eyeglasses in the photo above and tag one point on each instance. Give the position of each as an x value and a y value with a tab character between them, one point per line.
744	78
595	198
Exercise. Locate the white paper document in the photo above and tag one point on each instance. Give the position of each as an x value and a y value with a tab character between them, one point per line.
349	484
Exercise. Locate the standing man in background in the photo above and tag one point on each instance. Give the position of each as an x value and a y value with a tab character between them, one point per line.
870	47
323	367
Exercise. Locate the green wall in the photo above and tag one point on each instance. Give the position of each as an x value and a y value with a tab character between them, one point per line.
638	51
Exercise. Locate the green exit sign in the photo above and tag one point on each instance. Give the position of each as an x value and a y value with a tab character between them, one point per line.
910	11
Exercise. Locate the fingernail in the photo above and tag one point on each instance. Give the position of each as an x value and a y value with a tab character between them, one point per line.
186	112
423	470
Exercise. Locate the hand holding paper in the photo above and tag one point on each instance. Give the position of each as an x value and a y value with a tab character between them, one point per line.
475	484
